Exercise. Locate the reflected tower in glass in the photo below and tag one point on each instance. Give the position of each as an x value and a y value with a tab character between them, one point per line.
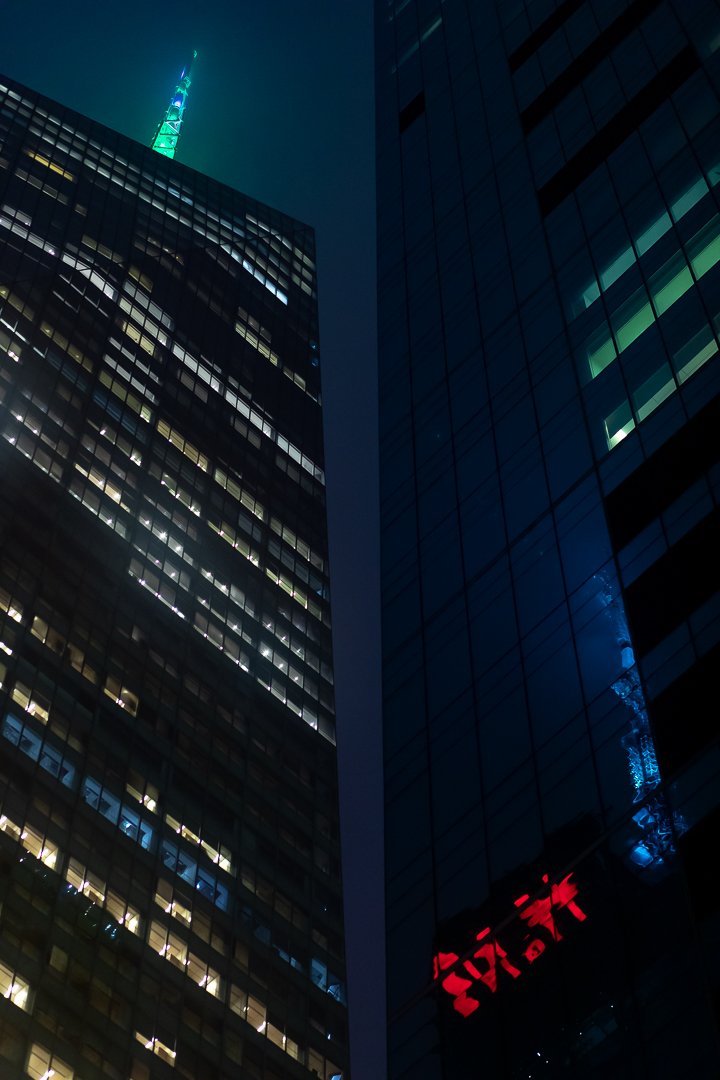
169	867
549	305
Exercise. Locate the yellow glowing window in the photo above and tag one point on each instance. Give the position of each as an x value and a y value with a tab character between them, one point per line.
85	881
145	343
40	848
256	1013
14	988
120	391
142	279
165	897
262	347
17	302
157	1047
7	604
10	827
167	944
177	439
102	249
120	910
33	704
123	697
140	789
42	1065
10	346
53	166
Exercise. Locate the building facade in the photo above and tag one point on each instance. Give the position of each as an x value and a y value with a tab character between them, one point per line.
549	308
170	900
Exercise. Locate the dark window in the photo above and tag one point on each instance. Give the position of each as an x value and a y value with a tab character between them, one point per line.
412	110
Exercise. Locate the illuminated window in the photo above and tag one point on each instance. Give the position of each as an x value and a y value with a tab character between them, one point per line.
150	328
85	881
666	286
14	988
39	749
177	439
119	814
142	279
204	976
219	855
257	343
158	1047
11	346
52	165
122	912
256	1013
41	848
33	703
206	883
42	1065
234	488
142	790
168	945
165	896
123	394
17	302
120	694
236	541
10	606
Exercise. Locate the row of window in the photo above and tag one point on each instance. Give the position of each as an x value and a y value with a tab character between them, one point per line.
113	487
51	757
119	389
78	146
145	338
166	944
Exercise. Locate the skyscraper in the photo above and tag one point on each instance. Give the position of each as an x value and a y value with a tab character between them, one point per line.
170	897
549	308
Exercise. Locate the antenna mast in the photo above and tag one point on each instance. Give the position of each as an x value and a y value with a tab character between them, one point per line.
168	132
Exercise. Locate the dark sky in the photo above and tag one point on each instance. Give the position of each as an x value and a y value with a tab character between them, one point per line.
281	108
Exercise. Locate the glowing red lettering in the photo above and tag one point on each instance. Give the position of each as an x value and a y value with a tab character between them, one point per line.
454	984
535	949
490	954
483	966
539	912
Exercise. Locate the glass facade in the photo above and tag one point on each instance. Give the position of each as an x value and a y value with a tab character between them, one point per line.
170	899
549	311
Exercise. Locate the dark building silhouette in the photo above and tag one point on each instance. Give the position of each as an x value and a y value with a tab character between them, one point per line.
169	868
549	308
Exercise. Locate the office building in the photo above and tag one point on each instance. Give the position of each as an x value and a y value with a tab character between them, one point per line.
170	899
549	308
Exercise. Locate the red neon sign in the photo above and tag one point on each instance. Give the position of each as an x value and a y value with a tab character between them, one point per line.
482	967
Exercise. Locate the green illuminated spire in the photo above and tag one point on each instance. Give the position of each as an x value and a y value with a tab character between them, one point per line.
168	132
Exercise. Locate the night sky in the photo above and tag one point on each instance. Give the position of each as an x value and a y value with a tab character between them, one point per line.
281	108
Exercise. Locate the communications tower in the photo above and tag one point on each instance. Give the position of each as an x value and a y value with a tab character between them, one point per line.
168	132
